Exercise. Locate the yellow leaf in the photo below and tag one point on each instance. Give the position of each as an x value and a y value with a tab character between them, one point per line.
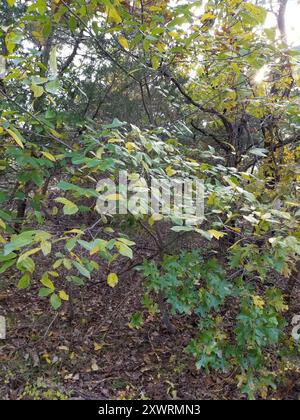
207	16
174	34
98	346
49	156
113	15
27	254
161	47
54	211
123	41
108	230
130	146
155	62
216	234
2	240
47	282
63	295
155	218
53	273
155	8
39	36
2	224
75	231
37	90
234	229
170	171
112	280
63	348
212	199
114	140
258	302
16	137
11	3
47	358
55	133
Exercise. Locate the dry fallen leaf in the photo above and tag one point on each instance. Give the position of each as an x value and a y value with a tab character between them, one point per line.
94	366
97	346
63	348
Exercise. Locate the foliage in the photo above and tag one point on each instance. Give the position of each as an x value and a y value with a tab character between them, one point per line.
193	286
161	89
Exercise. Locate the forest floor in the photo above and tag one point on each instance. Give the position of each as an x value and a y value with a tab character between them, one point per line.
96	355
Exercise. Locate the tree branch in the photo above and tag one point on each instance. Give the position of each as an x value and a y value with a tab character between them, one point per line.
228	126
212	136
71	57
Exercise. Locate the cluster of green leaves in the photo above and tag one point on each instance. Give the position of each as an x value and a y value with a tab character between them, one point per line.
179	281
237	327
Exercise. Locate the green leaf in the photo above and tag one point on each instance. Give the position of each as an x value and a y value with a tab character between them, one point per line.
72	23
53	62
136	321
69	207
28	264
11	41
182	229
6	266
55	301
76	280
11	3
125	250
155	62
4	258
82	270
44	292
99	245
53	86
67	263
24	239
259	152
47	28
24	282
115	124
41	6
126	241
